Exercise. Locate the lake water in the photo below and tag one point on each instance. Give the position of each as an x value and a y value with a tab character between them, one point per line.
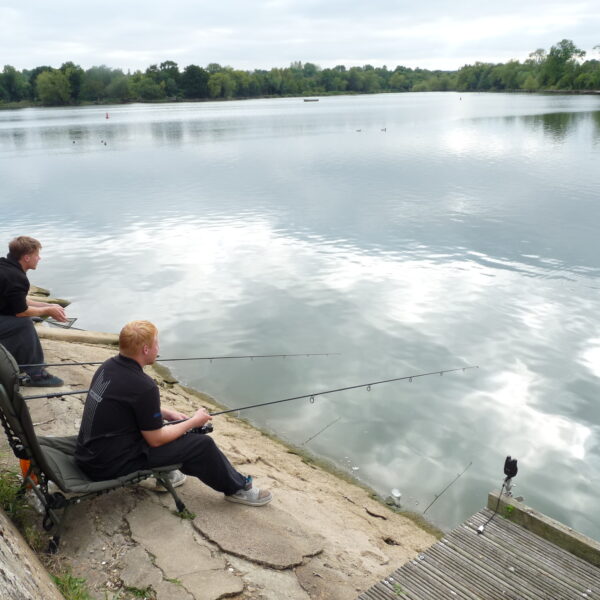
407	232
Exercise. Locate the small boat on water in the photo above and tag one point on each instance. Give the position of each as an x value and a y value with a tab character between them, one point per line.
311	99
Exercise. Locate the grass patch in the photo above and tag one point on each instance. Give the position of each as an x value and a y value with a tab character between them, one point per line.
11	500
19	511
72	588
147	593
185	514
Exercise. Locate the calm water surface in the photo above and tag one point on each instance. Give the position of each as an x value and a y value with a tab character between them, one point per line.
409	233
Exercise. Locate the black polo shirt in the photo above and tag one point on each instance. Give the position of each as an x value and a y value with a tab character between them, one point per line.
122	402
14	287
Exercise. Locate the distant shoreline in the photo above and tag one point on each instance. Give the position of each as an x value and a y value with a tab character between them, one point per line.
23	104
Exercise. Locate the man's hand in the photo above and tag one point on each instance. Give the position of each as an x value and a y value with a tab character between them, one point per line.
164	435
56	312
44	309
200	417
172	415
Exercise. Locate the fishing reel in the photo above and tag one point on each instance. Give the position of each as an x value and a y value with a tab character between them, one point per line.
208	428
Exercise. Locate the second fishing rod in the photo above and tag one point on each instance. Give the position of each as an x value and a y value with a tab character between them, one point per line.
310	396
209	358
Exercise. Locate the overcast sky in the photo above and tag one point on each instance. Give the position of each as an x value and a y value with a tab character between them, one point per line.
248	34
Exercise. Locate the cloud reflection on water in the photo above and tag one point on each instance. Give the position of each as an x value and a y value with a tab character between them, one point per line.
261	228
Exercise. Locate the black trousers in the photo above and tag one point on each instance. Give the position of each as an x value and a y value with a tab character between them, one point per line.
201	458
19	337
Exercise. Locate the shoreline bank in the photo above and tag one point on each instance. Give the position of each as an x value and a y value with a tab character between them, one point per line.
23	104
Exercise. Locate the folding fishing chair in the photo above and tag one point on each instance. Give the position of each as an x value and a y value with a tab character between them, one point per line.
52	459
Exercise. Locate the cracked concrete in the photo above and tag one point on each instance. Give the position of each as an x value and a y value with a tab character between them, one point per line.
321	537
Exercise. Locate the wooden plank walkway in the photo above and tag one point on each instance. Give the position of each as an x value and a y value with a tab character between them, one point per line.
506	562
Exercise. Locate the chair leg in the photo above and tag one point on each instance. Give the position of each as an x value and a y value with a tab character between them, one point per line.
51	521
53	544
164	479
58	527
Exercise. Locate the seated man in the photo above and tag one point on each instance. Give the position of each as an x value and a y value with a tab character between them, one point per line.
122	425
17	333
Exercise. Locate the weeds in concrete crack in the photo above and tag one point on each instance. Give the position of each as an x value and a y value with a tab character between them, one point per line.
146	593
72	588
185	514
14	502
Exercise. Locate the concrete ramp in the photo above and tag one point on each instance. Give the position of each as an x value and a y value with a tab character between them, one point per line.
264	535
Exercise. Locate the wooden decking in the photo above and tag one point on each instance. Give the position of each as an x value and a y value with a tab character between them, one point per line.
506	562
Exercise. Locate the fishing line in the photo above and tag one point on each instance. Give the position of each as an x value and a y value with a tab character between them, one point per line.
448	486
211	358
321	431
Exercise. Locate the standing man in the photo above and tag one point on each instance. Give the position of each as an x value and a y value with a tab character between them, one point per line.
17	333
122	428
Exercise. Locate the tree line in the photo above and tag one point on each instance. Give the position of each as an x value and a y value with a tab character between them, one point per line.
561	68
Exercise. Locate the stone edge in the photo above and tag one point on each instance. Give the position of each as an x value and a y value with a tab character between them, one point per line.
559	534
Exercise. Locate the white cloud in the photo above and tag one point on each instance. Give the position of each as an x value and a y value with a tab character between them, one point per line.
270	33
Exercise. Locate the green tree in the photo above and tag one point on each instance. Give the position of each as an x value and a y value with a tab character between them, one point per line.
119	89
75	75
537	57
530	84
355	79
32	77
242	83
145	88
14	84
560	64
371	82
399	82
96	81
221	85
170	76
274	81
53	88
213	68
194	82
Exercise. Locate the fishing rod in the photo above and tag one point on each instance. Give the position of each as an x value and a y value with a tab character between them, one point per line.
211	358
444	490
343	389
311	396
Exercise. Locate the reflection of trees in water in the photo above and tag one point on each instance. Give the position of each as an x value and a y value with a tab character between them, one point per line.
559	125
16	138
172	131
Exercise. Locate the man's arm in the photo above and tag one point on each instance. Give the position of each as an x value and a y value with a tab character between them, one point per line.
164	435
37	303
172	415
43	309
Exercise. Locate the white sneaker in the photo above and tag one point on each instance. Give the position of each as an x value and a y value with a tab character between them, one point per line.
252	497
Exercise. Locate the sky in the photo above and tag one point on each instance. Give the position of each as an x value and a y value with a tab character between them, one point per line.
260	34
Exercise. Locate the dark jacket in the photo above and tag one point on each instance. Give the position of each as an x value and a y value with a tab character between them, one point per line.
14	287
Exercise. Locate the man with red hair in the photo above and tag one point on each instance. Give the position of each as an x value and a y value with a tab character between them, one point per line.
17	333
122	427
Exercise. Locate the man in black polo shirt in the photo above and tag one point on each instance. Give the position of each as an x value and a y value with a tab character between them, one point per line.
17	333
122	427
